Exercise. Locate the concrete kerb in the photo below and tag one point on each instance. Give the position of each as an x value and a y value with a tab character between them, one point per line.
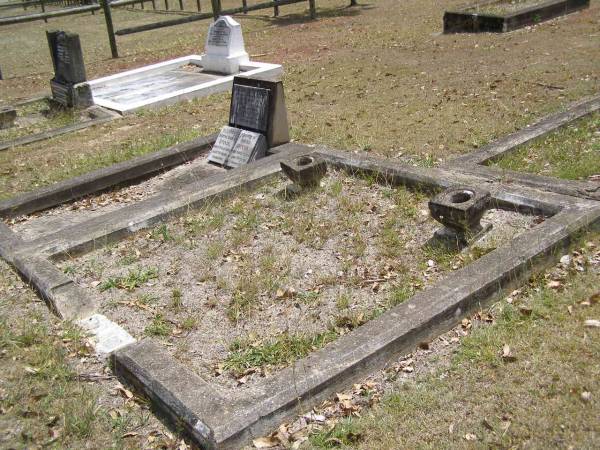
370	346
475	163
99	116
105	178
198	407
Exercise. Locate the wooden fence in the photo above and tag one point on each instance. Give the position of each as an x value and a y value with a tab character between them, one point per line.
108	5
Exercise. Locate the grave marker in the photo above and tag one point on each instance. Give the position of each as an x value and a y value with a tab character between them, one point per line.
249	147
69	87
224	145
257	121
224	47
254	110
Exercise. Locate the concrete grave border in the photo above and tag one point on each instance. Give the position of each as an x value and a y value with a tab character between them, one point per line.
98	116
250	69
474	163
204	411
466	19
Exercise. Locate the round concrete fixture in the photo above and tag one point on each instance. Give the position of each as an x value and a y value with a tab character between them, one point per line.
305	171
460	210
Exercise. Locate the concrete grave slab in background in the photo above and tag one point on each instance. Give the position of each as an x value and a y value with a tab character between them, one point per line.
168	82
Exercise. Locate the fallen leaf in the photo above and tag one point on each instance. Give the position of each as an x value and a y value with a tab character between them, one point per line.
586	396
265	442
129	434
507	354
470	437
554	284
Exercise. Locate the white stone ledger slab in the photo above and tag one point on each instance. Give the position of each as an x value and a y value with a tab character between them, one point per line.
225	51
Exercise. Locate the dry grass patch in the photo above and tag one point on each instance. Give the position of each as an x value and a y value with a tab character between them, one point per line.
263	278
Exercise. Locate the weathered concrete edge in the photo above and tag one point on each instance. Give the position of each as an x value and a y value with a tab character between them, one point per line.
154	372
363	351
105	178
506	196
474	22
371	346
538	129
102	116
114	225
583	189
63	297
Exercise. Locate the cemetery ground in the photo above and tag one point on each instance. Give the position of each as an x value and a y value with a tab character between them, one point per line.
474	386
376	78
358	78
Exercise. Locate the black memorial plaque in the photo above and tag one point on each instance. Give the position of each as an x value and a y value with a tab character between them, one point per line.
67	57
250	108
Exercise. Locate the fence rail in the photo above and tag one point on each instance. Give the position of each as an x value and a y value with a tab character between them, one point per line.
107	5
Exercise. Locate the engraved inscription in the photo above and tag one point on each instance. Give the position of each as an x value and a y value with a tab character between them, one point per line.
249	147
224	144
250	108
219	34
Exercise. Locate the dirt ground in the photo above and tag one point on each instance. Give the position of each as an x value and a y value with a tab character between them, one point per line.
379	77
259	265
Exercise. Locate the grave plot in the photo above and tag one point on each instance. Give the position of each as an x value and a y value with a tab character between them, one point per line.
507	15
571	153
241	289
34	225
183	78
36	120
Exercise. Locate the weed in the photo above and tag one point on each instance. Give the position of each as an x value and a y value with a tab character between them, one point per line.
281	350
133	280
158	327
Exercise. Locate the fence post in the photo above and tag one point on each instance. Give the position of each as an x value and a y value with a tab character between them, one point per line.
313	9
199	6
216	7
44	10
276	9
167	5
245	6
353	3
109	28
181	5
154	5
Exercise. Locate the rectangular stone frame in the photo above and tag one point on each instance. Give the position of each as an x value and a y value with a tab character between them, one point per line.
202	410
465	20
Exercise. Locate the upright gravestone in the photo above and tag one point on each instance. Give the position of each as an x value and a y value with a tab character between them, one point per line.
69	87
259	105
257	121
224	47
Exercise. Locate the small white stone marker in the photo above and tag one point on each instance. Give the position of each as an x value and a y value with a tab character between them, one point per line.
225	50
106	335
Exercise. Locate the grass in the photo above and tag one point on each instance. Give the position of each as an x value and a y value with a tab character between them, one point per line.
42	118
506	6
352	67
281	350
42	402
134	279
481	399
572	152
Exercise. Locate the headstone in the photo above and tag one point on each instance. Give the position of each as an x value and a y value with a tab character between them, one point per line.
69	87
259	105
224	47
235	147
